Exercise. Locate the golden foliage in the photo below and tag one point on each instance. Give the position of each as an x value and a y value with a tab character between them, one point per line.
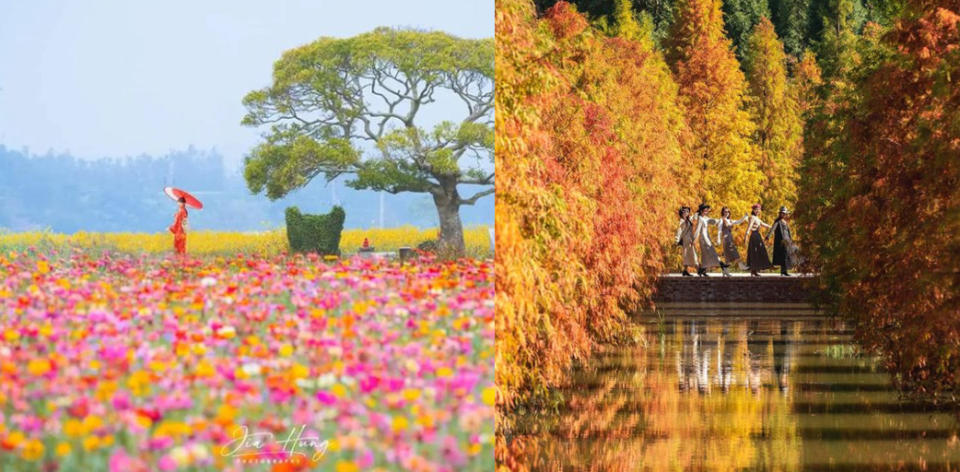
588	144
774	109
726	169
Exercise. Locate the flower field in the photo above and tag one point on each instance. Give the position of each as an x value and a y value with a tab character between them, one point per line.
139	362
273	242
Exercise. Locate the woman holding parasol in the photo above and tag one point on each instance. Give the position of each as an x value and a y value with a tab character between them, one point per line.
179	226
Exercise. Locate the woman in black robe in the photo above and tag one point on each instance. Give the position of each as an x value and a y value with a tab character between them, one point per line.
757	257
782	242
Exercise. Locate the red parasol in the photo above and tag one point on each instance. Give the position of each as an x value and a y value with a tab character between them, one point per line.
175	194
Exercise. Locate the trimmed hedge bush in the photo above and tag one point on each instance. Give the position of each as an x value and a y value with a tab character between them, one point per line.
315	233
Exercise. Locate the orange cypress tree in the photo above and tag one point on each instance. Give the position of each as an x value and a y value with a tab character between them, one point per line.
885	237
778	136
806	81
589	143
725	166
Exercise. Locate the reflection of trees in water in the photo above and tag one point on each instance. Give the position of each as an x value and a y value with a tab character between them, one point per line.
709	399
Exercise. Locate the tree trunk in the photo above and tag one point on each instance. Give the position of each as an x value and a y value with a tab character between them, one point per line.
451	229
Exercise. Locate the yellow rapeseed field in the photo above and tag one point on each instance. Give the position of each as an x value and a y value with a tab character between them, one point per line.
220	242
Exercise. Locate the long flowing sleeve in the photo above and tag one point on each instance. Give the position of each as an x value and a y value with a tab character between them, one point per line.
772	229
698	229
679	233
720	230
741	220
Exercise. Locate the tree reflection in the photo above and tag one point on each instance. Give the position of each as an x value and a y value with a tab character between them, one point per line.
706	394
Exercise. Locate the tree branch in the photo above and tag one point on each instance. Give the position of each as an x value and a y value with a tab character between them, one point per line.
486	180
476	196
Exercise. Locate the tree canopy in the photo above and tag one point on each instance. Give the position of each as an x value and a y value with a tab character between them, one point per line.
354	106
712	90
775	112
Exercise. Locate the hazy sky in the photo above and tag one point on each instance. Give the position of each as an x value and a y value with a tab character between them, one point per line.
120	77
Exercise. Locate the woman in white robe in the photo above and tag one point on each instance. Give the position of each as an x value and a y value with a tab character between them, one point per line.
725	235
708	254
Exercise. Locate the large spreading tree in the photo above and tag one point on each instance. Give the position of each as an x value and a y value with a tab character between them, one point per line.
356	106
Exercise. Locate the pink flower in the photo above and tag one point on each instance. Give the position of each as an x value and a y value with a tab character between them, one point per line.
326	398
365	461
451	451
121	401
166	464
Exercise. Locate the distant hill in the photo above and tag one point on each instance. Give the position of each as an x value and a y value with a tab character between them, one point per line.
66	194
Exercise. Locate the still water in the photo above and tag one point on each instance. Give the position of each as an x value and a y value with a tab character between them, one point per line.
737	387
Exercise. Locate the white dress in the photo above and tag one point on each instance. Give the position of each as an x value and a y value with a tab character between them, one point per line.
708	254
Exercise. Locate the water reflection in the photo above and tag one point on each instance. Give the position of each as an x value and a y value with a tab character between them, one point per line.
724	393
708	360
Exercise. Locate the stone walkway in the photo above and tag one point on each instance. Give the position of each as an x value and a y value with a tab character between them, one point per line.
770	287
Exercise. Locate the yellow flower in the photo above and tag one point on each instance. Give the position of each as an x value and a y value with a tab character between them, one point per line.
333	445
105	390
14	439
204	369
33	450
46	330
43	267
63	449
226	413
299	371
489	395
411	394
11	335
138	382
444	372
347	466
92	423
286	350
144	421
90	443
400	423
338	390
39	366
425	420
72	428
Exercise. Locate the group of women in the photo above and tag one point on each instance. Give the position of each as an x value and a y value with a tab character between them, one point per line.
694	228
